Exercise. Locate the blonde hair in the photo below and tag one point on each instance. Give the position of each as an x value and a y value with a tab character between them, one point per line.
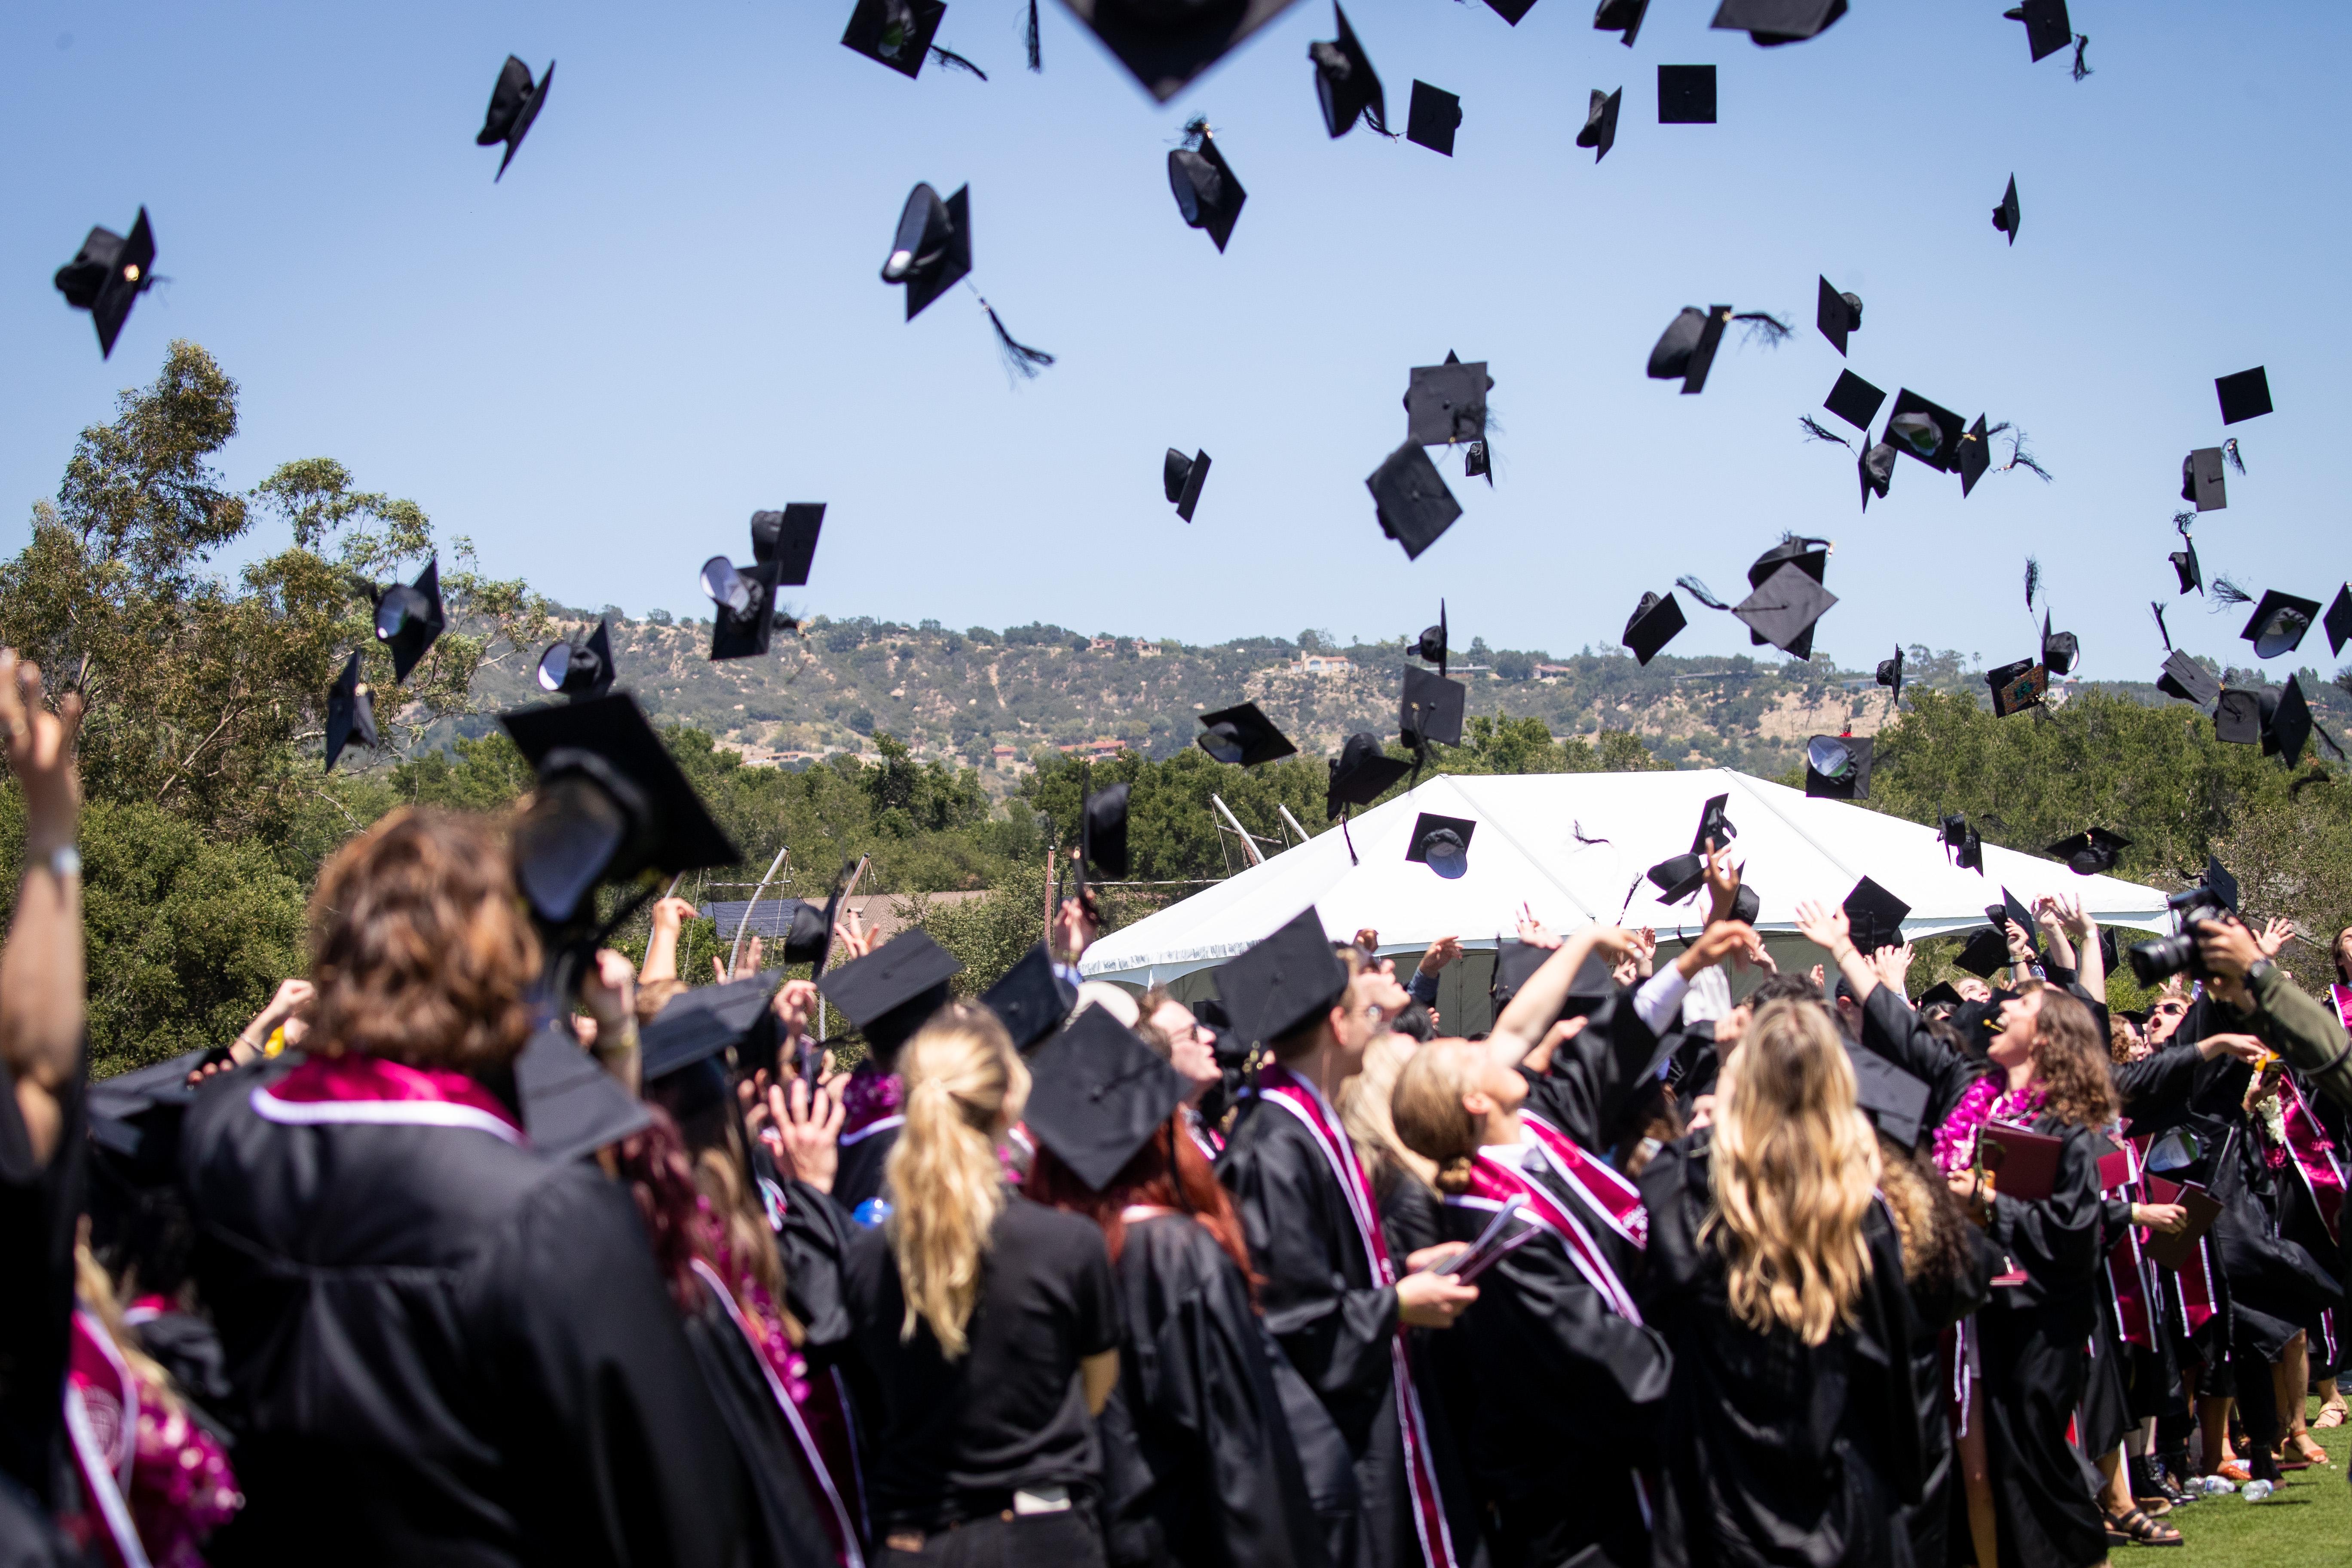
1364	1110
963	1081
96	1289
1793	1170
1426	1106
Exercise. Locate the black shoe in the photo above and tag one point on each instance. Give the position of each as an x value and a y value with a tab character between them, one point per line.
2154	1483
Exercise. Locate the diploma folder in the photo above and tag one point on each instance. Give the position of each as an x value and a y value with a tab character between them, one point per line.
2024	1164
2177	1251
1466	1264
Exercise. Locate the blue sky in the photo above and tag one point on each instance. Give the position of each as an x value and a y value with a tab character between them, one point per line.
668	314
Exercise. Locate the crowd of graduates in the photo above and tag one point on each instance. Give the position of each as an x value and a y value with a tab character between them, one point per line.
1686	1260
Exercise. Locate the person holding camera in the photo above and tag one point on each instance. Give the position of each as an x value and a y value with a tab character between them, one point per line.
2254	991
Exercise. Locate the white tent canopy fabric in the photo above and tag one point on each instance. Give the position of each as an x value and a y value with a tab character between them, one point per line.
1573	848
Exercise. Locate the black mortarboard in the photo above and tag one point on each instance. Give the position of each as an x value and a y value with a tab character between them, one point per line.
2185	565
1245	736
1890	674
1032	998
2201	479
1440	843
808	937
1430	708
2238	716
408	618
571	1106
1166	47
702	1022
1620	17
1102	829
2089	854
514	104
1446	403
2338	620
2059	649
1511	11
1986	950
1687	348
1893	1100
1686	95
932	252
743	601
1655	621
1874	917
350	710
2017	687
1876	467
2245	395
787	539
1854	400
2218	878
1477	463
1783	608
1431	645
1679	877
892	991
1926	431
1097	1093
1771	22
107	274
1837	767
2013	908
1432	117
1411	500
1206	192
1600	131
1345	83
1838	315
1283	981
894	33
610	803
2006	216
2286	728
1181	478
579	669
1715	823
1809	555
1747	904
2184	678
1942	992
2047	31
1360	773
2279	624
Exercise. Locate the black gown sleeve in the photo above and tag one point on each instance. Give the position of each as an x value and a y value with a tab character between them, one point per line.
2056	1239
40	1208
1893	1029
2157	1086
811	1242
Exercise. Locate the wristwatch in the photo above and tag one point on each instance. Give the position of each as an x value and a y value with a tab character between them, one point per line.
65	861
2256	971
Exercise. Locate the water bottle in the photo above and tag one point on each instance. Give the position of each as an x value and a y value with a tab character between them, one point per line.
2213	1485
2254	1492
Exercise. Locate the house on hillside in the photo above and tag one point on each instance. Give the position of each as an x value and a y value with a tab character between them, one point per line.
1326	664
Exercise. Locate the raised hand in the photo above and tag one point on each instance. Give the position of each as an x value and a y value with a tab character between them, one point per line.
1823	925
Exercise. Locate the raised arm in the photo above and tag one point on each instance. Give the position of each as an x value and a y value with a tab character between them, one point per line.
669	918
41	978
1528	1015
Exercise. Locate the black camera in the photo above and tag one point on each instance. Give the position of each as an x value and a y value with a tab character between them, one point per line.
2155	962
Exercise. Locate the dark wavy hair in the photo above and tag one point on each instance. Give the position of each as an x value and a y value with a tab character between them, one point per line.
1193	1188
2071	1061
660	1174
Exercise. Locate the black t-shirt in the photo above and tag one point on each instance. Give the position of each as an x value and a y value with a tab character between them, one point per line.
39	1205
953	1439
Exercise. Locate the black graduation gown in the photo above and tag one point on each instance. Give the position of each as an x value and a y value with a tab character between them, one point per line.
40	1208
1199	1463
445	1349
1777	1452
859	1175
1334	1323
1937	1307
782	1526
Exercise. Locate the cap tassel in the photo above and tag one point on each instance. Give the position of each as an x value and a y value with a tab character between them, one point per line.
1764	328
1347	838
1036	58
1815	431
2082	42
2226	592
1701	591
1019	357
950	58
2032	580
2230	450
2160	629
2019	457
2181	520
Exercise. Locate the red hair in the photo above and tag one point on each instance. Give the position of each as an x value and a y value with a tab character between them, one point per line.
1192	1189
660	1174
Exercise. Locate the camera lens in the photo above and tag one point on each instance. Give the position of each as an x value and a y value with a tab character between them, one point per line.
2160	960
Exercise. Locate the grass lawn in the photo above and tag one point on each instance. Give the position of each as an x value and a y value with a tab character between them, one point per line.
2307	1523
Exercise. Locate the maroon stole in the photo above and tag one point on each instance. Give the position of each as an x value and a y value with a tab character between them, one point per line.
1278	1086
2126	1275
1495	1181
1206	1138
1604	1188
2314	1157
2342	996
352	1089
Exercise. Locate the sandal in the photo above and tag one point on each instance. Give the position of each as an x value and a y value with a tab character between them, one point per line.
2331	1415
2137	1529
2311	1452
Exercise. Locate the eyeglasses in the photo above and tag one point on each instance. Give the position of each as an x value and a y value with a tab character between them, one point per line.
2170	1008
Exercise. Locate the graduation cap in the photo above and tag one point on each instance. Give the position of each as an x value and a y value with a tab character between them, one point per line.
1446	403
2006	216
1686	95
701	1025
1032	999
2218	879
1345	83
1942	992
1431	711
1442	843
2047	31
932	252
1284	982
808	935
1413	505
743	599
2241	716
578	669
2184	678
1783	609
2185	565
1511	11
1874	917
1713	823
1975	455
2279	624
1854	400
1432	117
1206	192
1516	963
514	104
1895	1101
1600	131
1837	767
1774	22
787	539
1965	845
899	32
1655	621
2017	687
1360	773
408	618
107	274
892	991
1097	1094
1181	478
1687	348
1164	47
2091	853
1986	950
2201	479
2245	395
1890	674
1876	467
1837	315
1431	645
1477	463
351	712
571	1106
1245	736
1926	431
2287	725
2013	908
2059	649
1679	877
1620	17
1102	829
609	803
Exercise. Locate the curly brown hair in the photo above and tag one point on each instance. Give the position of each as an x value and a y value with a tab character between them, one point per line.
419	946
2070	1063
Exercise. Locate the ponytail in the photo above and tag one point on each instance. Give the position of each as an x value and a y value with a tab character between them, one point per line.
964	1083
1430	1117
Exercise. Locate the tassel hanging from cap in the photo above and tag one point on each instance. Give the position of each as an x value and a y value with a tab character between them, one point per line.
2032	580
1815	431
1019	357
2230	451
2227	593
2160	628
1763	327
1036	58
2082	42
950	58
1701	591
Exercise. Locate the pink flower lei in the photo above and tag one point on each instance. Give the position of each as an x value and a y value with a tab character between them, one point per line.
1985	1100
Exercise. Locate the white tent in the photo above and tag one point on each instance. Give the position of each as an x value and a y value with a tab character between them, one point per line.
1573	848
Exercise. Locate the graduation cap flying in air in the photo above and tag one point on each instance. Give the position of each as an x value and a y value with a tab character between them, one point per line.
1622	17
2279	624
1244	735
1686	95
2059	649
1430	711
2245	395
579	667
1411	499
898	34
2005	216
1361	773
1346	86
931	253
1207	194
1890	675
1837	767
744	617
408	618
1430	646
107	276
1787	597
2202	480
1963	843
1839	316
1600	131
1432	117
1655	623
1446	404
1770	23
1165	47
515	102
1181	478
1687	348
350	712
2092	852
